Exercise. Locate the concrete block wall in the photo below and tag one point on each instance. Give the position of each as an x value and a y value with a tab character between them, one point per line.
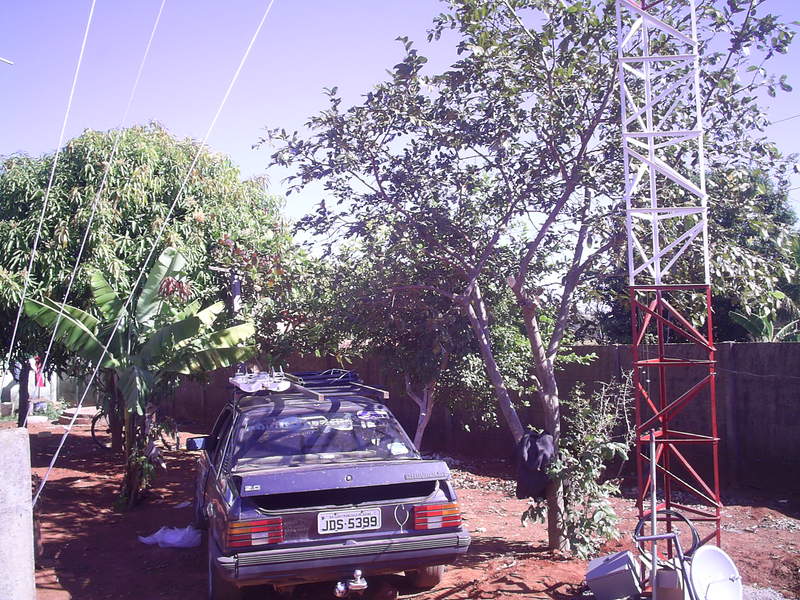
758	399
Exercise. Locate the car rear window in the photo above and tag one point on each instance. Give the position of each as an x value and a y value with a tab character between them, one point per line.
366	434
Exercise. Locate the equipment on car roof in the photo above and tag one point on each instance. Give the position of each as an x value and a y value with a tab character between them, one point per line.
258	382
316	385
325	378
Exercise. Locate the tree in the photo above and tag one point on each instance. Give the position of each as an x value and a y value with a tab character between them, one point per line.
141	184
415	334
761	328
774	316
142	343
514	149
288	296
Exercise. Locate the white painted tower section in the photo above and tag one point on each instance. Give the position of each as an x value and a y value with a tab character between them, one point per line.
662	141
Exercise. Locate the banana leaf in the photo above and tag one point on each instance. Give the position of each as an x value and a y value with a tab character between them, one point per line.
135	383
759	327
210	313
76	328
210	360
788	333
189	310
166	339
106	299
231	336
149	304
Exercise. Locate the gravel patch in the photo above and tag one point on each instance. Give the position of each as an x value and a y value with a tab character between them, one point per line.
754	593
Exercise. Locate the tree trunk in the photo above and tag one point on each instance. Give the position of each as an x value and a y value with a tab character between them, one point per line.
24	396
480	328
556	538
425	411
130	483
425	402
116	408
545	373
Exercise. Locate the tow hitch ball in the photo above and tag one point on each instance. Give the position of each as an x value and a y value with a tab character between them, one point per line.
356	585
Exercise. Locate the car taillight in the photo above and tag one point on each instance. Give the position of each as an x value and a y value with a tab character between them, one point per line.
255	532
434	516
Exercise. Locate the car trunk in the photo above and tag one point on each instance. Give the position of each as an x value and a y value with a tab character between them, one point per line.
346	497
308	478
361	501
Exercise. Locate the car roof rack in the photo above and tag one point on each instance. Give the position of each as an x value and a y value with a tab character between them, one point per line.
329	377
333	382
319	386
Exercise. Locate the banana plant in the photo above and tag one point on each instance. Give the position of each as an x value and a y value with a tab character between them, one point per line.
144	342
762	328
153	340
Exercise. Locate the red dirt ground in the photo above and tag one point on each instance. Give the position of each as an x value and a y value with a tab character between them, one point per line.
91	551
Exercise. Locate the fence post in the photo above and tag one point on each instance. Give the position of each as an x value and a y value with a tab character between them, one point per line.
16	516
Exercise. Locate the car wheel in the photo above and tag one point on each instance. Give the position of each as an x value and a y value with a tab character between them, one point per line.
427	577
218	588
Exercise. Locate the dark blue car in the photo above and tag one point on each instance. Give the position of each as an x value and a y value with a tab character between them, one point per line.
321	484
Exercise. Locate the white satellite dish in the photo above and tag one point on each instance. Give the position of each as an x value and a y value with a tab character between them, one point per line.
714	576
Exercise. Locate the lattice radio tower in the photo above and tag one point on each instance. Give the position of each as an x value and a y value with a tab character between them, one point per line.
668	262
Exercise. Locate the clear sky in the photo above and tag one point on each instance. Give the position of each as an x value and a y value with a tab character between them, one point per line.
305	45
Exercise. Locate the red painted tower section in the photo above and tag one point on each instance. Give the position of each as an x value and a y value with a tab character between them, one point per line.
692	490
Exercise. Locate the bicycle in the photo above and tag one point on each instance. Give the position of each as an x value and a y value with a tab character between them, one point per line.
101	430
165	430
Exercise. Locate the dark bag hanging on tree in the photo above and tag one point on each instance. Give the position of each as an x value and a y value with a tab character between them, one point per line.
535	451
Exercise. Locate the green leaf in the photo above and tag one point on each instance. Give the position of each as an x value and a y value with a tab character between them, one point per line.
170	264
135	384
76	329
189	310
210	360
209	314
232	336
165	339
787	332
107	300
752	323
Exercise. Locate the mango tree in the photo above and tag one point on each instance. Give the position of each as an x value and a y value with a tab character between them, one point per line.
122	203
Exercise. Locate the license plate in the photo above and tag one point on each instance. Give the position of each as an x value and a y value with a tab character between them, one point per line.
341	521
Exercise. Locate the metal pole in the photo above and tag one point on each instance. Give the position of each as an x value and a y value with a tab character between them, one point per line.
672	537
653	511
236	305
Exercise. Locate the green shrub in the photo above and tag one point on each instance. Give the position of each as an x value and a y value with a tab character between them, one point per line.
587	444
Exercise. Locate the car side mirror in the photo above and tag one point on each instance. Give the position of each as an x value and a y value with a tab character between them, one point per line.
197	443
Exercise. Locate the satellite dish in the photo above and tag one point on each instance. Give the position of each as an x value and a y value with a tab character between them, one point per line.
714	576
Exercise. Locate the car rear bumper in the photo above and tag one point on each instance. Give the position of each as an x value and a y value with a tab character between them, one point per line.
324	562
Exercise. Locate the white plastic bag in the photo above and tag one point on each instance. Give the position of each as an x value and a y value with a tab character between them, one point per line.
174	537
